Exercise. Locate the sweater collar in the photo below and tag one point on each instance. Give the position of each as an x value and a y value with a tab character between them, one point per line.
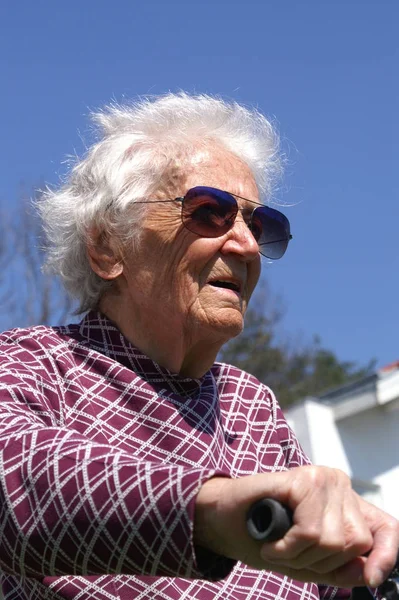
105	337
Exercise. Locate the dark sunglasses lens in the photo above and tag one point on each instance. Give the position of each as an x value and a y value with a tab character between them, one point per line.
208	212
271	230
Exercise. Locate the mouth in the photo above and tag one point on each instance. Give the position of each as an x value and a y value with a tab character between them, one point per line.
225	284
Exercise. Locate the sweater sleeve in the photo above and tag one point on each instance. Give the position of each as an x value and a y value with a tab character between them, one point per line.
70	506
292	449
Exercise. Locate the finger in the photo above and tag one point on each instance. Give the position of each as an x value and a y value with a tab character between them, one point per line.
322	556
337	547
348	576
333	563
383	556
341	536
317	540
304	535
293	545
342	540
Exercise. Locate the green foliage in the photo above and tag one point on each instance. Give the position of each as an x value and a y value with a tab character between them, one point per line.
292	371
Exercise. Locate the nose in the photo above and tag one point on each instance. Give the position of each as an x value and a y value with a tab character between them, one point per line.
240	241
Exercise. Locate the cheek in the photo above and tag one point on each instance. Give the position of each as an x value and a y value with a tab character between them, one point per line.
162	243
188	267
174	267
253	277
201	252
164	229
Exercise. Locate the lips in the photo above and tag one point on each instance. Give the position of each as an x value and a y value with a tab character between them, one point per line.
226	284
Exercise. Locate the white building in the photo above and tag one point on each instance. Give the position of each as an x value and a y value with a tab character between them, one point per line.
356	428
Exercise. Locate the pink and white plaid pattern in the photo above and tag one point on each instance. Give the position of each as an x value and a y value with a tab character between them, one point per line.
102	455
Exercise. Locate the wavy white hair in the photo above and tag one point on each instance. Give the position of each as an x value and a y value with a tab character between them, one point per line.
137	145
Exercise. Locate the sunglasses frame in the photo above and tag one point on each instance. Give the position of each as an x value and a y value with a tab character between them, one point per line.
274	213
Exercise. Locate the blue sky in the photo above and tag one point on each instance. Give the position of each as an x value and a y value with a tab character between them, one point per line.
326	71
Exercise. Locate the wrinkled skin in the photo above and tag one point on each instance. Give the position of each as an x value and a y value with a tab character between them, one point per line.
163	303
333	527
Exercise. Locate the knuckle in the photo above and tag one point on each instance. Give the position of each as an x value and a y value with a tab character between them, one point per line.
345	477
334	545
315	475
363	545
359	542
341	478
311	534
321	476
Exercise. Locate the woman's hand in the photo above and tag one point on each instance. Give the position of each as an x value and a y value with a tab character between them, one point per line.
333	528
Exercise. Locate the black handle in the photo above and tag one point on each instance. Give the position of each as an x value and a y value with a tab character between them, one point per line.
268	520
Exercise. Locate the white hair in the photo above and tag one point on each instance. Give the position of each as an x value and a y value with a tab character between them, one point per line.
137	144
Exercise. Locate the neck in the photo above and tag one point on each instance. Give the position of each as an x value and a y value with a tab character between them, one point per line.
167	345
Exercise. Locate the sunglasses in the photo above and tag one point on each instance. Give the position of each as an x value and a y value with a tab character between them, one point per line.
210	213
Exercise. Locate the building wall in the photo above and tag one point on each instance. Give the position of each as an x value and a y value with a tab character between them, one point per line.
364	445
371	444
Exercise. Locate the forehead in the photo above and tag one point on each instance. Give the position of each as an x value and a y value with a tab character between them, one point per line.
221	169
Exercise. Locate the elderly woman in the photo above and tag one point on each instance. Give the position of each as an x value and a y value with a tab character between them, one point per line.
129	456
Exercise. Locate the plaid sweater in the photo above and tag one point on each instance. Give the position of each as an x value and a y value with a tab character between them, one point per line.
102	455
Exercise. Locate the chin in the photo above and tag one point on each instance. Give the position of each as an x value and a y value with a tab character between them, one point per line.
228	328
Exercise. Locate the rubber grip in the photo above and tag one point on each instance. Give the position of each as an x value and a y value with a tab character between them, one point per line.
268	520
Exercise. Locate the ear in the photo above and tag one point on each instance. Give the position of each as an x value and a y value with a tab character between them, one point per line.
104	257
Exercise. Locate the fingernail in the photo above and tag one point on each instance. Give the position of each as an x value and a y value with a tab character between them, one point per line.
377	578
